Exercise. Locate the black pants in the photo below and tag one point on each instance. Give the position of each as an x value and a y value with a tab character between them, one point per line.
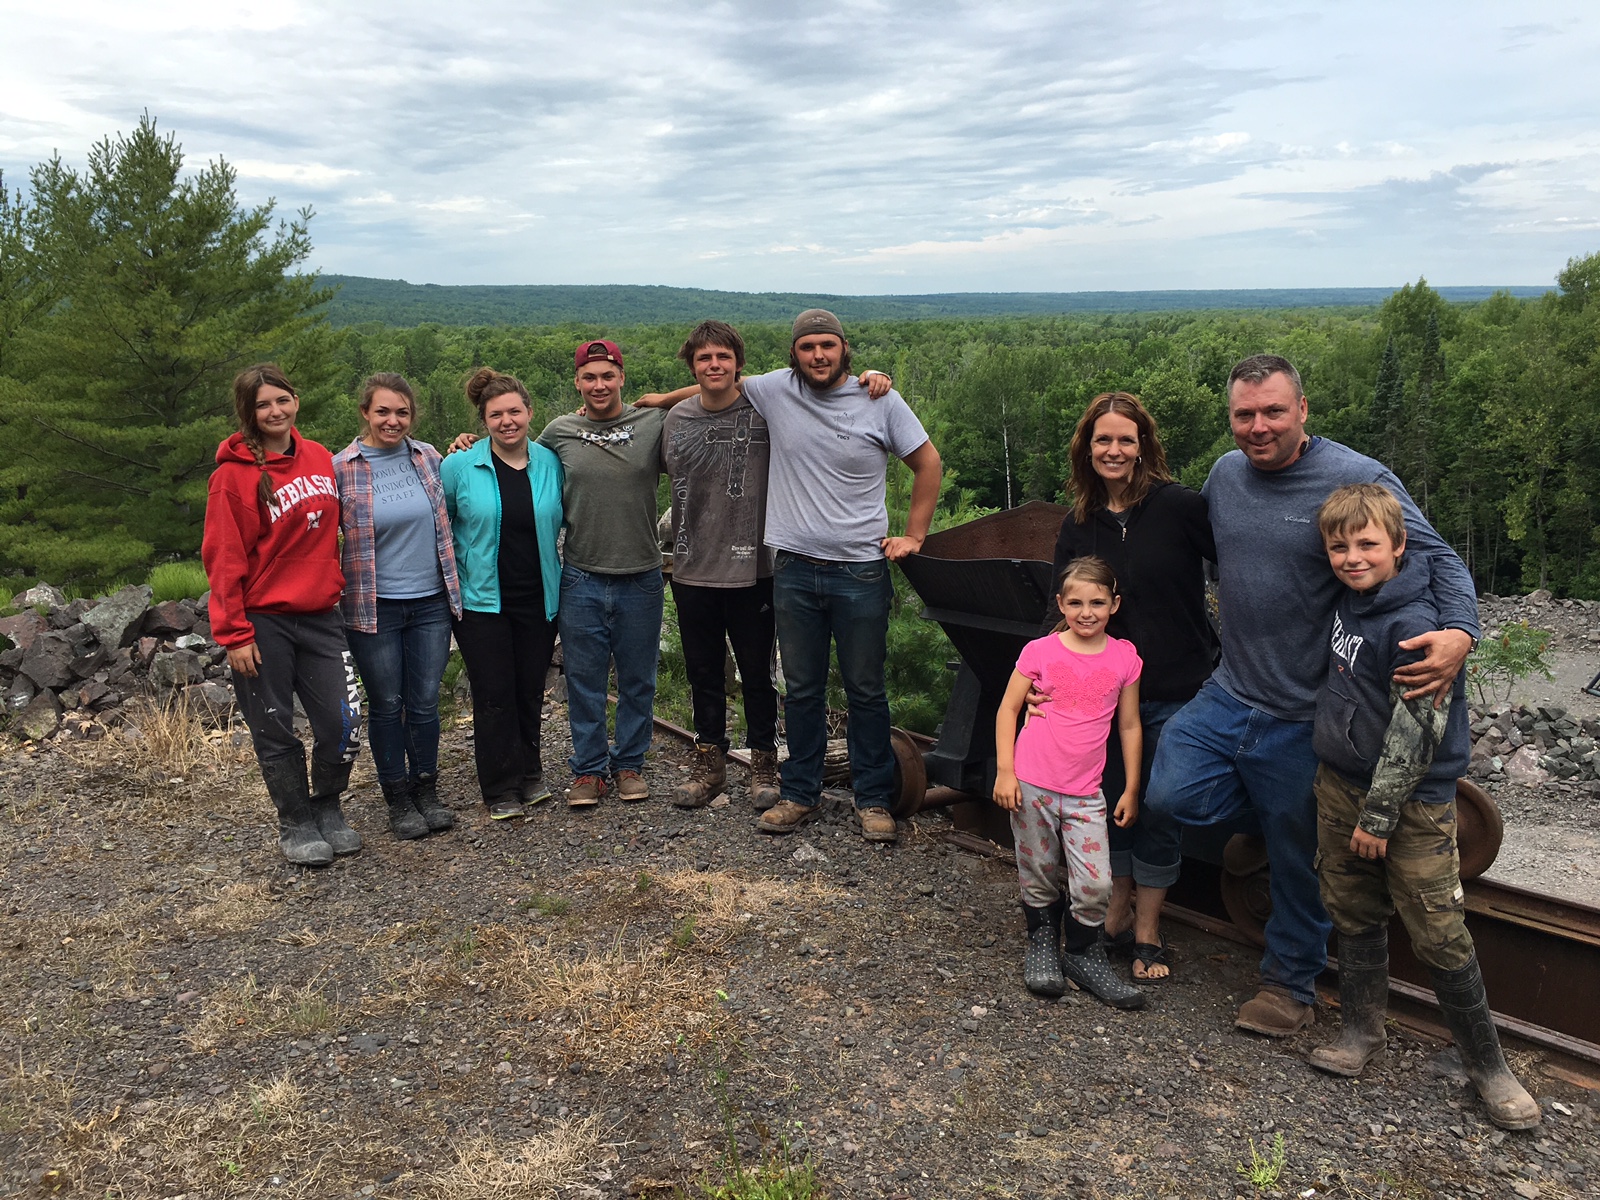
707	616
304	655
507	655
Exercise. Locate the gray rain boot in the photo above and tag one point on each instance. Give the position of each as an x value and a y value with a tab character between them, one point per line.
1363	1004
1041	962
328	781
425	799
298	836
405	822
1466	1011
1084	962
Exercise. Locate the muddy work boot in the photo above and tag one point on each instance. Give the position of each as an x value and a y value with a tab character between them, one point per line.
1084	963
764	779
328	781
785	817
877	824
1466	1011
299	838
405	822
585	791
425	799
708	776
1363	1004
1274	1013
631	787
1041	961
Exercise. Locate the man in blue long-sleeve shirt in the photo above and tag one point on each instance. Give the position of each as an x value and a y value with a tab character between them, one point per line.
1244	742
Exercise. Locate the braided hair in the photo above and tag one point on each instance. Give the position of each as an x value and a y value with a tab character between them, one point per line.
245	386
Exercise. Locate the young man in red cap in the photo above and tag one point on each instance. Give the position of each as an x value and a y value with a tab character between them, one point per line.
827	523
611	586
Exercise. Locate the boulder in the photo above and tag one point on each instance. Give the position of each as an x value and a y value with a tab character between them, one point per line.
41	594
71	614
1523	769
116	619
190	641
21	629
93	695
211	702
168	619
48	661
41	717
85	665
176	668
15	698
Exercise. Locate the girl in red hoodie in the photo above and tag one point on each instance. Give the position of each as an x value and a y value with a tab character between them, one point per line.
271	553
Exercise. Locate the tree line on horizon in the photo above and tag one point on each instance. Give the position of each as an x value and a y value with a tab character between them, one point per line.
130	293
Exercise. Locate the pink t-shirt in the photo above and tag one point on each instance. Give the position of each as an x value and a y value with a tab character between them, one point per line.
1064	750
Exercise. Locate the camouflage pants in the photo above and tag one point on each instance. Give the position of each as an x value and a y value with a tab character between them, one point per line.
1421	877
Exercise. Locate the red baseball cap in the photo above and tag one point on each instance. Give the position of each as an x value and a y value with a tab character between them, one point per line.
601	351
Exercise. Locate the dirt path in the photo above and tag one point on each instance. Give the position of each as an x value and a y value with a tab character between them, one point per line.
586	1005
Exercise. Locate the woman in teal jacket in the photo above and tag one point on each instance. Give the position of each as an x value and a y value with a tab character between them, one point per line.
504	501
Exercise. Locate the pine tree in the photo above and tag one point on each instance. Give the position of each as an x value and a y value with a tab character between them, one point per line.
1388	407
130	295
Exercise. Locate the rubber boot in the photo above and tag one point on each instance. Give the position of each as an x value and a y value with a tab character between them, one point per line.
1041	962
405	822
1466	1011
764	791
1363	1004
1084	962
709	776
425	799
328	781
298	836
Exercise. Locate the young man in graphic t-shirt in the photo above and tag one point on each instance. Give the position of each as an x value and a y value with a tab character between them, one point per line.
714	447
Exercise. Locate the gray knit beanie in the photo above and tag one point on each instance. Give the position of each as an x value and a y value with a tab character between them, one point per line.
816	320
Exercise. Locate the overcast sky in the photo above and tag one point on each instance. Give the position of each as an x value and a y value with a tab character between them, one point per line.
859	147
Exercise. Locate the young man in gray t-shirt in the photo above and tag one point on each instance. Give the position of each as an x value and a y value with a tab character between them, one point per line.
828	526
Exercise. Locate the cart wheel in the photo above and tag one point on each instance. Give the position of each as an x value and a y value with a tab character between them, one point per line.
1479	829
910	774
1247	886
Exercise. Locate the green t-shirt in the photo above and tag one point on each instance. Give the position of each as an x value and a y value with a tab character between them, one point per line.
609	489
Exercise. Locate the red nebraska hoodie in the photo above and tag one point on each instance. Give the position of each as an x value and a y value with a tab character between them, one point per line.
282	560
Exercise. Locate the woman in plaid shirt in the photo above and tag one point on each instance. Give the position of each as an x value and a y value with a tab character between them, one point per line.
400	593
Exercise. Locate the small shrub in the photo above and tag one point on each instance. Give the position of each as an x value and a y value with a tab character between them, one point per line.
1502	659
1264	1171
178	581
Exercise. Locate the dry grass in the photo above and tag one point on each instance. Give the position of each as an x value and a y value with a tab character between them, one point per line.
167	735
718	900
486	1168
243	1012
237	907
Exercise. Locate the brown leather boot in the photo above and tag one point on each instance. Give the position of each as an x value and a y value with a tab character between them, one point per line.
764	779
709	775
1274	1013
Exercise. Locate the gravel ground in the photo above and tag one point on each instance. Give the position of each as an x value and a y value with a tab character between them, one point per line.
593	1004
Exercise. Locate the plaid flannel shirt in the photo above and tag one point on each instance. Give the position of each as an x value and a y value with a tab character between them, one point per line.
352	472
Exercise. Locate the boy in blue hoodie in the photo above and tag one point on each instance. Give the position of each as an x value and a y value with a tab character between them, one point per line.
1386	818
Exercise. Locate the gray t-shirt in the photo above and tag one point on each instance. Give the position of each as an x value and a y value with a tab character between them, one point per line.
717	462
405	553
1278	593
609	488
830	451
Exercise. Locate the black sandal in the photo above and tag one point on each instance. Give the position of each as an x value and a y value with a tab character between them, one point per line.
1119	945
1147	955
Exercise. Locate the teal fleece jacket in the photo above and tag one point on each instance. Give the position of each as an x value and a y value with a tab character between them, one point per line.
472	498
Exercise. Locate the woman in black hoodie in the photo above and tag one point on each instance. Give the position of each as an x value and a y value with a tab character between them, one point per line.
1156	534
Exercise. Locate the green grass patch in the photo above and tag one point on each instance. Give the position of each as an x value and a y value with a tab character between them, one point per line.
178	581
545	906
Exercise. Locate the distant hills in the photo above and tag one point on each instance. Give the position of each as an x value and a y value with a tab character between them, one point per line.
396	302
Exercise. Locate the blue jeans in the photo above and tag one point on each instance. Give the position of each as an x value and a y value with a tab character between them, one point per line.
606	620
847	603
401	666
1218	759
1151	849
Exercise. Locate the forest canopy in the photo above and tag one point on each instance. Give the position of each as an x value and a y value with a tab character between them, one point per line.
131	292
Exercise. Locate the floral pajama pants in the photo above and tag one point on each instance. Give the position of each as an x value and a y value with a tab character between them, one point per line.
1050	829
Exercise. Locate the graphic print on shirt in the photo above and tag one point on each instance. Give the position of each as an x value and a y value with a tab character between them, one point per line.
717	453
1092	690
619	435
1345	645
299	490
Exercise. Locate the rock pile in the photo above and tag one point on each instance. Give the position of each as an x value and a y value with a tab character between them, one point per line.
1573	624
1527	747
78	662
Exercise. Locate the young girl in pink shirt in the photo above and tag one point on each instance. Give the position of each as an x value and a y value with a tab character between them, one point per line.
1048	778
